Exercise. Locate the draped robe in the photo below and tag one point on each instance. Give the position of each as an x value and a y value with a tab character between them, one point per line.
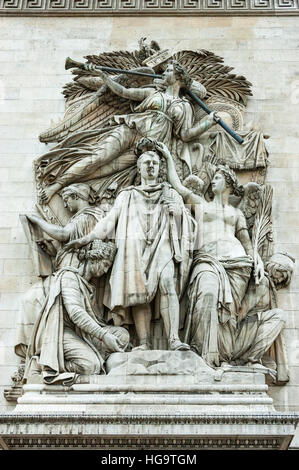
147	239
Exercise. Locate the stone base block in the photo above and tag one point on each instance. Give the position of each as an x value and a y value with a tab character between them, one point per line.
154	382
151	400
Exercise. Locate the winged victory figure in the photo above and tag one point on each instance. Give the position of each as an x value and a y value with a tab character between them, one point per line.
107	114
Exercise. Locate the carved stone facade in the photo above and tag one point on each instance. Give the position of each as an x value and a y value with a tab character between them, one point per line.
157	256
88	432
149	7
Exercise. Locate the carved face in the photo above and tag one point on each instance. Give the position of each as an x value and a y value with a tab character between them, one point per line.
280	268
169	75
148	166
96	268
218	183
279	275
70	202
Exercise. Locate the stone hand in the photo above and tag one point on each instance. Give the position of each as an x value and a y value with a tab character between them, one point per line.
163	150
213	118
259	270
48	192
159	84
111	342
92	68
172	206
75	244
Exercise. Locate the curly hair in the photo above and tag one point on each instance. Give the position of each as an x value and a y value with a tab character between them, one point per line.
282	263
146	144
230	179
181	73
77	190
98	250
194	183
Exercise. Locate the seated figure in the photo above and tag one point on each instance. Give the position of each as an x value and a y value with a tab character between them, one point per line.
68	337
260	322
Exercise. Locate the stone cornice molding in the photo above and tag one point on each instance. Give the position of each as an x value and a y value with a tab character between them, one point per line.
85	418
149	7
98	431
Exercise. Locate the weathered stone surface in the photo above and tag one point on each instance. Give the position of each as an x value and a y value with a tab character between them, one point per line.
237	38
163	363
202	390
254	431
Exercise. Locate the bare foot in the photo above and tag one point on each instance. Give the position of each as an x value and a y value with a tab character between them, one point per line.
255	365
177	345
141	347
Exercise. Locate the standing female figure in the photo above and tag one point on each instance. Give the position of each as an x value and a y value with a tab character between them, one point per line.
222	265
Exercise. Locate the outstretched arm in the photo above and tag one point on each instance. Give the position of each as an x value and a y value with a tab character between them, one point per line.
188	196
190	133
61	234
136	94
172	175
101	231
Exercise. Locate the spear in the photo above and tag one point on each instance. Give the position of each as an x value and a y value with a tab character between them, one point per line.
69	63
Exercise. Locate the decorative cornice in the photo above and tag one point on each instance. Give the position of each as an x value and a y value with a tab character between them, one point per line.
98	431
148	7
84	418
125	443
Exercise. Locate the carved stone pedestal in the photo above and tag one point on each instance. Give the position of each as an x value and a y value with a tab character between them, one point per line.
142	404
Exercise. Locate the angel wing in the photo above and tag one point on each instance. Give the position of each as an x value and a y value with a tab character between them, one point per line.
85	82
95	109
256	205
89	104
262	233
119	59
208	68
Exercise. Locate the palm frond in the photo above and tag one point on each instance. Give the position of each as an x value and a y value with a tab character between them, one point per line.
263	219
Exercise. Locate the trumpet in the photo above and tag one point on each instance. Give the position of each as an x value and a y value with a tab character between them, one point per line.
70	63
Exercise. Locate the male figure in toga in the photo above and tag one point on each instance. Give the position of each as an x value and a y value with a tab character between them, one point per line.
154	238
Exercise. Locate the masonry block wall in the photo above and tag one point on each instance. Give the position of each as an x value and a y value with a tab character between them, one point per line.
32	55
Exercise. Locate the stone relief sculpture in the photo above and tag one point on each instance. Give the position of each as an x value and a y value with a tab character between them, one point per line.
221	265
168	247
151	254
259	339
162	115
107	114
233	310
68	337
75	199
